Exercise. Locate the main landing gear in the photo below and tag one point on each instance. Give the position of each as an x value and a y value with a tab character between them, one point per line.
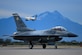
44	46
30	45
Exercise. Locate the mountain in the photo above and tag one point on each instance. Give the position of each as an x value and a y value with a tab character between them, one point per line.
45	20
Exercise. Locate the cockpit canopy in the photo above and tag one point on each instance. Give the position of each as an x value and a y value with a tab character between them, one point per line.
15	33
59	28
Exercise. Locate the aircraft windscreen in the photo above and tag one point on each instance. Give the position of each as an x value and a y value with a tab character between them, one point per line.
60	28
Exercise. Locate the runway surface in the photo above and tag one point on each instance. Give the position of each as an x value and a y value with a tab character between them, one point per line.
40	51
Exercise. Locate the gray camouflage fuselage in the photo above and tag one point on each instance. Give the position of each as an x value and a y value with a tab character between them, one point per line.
24	33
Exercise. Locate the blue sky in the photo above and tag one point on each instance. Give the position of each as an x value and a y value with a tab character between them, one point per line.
68	8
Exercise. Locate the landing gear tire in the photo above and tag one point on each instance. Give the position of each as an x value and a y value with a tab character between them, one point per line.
30	46
56	47
44	46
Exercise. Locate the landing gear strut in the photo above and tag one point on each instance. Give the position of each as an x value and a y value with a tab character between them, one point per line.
44	46
56	45
30	45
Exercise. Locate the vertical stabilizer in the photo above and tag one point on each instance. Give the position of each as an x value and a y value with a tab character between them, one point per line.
20	24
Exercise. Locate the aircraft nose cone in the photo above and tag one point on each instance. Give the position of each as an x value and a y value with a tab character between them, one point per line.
72	35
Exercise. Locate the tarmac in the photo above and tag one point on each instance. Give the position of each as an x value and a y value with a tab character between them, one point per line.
40	51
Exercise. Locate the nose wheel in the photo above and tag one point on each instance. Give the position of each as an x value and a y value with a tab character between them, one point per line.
55	45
